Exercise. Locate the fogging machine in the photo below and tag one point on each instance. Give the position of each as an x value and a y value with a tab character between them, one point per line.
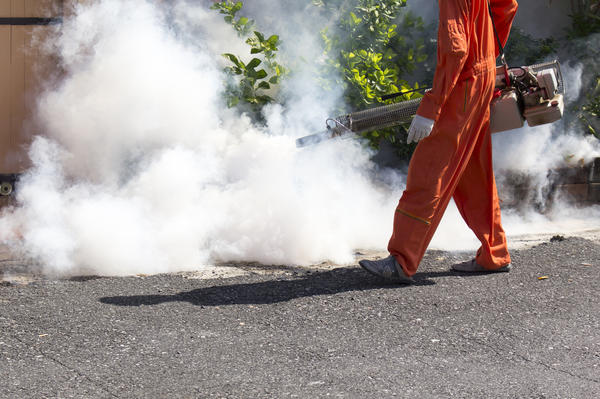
530	93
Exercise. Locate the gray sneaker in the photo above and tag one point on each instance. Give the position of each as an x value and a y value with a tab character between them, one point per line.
471	266
388	268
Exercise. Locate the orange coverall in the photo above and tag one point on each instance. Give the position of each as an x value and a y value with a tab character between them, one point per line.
455	160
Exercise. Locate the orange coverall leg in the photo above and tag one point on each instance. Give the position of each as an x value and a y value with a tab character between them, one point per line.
456	158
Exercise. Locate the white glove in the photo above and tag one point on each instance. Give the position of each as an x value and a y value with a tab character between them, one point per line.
419	129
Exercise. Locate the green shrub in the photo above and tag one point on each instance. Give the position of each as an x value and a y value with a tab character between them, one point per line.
590	111
248	85
585	24
586	18
371	47
523	49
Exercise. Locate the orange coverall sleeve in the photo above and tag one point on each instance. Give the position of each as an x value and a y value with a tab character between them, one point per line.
503	12
452	52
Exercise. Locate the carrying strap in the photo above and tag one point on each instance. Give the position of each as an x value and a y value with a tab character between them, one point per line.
500	46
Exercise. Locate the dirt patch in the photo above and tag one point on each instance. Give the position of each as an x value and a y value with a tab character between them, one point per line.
524	241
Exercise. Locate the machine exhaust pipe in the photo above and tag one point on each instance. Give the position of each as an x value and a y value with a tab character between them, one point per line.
7	184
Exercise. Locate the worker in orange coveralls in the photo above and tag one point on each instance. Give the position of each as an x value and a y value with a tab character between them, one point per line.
454	154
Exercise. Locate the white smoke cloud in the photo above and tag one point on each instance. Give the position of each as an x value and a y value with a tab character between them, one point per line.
143	169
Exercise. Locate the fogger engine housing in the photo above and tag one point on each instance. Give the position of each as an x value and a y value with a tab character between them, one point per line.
535	94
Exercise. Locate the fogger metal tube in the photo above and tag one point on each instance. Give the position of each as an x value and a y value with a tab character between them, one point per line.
380	117
366	120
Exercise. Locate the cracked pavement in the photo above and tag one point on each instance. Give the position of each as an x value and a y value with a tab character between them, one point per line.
530	333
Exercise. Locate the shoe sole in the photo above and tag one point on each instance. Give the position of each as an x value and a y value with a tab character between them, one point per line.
503	269
398	280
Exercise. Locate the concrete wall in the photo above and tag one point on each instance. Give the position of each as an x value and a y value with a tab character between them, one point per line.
543	18
539	18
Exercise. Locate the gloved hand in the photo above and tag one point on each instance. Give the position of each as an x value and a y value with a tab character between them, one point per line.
419	129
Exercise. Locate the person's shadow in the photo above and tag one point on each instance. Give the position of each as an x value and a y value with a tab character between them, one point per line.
273	291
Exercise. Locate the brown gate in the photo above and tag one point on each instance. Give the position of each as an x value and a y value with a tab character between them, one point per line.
24	68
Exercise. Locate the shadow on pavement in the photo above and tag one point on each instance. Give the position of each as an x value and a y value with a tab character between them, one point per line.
273	291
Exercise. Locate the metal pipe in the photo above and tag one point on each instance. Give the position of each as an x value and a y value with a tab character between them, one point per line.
6	189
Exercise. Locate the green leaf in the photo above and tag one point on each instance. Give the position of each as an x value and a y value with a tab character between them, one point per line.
247	88
233	70
261	74
260	36
232	101
264	99
274	80
254	62
264	85
237	6
233	59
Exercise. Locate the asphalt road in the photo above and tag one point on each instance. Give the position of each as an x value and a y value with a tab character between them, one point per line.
339	333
